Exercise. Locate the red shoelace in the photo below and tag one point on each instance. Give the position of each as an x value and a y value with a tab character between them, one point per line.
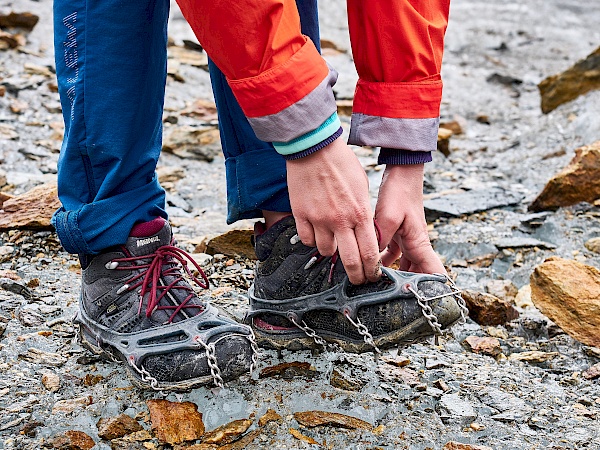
149	279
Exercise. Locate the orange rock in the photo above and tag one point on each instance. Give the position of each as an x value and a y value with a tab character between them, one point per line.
243	442
485	345
234	243
174	423
443	141
487	309
117	427
452	125
581	78
578	182
31	210
205	110
344	107
73	440
225	434
289	370
452	445
592	373
302	437
568	292
270	416
25	20
317	418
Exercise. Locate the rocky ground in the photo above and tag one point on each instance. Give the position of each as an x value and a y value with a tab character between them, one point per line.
517	383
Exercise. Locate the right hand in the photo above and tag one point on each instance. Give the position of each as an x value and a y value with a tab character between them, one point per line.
329	194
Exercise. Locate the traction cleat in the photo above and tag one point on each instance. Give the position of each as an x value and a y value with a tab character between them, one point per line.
136	307
302	300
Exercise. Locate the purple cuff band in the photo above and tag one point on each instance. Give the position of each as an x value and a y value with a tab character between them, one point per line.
404	157
315	148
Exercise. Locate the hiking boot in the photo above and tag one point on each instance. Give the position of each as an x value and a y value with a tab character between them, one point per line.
301	299
136	307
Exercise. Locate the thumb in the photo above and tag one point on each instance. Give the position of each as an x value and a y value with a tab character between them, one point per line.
386	229
391	253
426	259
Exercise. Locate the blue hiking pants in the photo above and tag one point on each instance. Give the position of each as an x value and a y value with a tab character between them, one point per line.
111	59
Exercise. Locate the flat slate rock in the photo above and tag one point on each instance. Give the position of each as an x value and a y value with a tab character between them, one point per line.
522	242
469	202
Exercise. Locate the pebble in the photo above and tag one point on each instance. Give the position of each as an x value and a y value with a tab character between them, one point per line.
70	405
453	409
457	204
435	363
51	381
318	418
117	427
227	433
533	356
485	345
6	250
593	245
73	440
41	357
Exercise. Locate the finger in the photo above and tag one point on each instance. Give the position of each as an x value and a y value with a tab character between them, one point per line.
306	233
391	253
325	241
387	228
405	264
348	248
423	256
369	250
431	263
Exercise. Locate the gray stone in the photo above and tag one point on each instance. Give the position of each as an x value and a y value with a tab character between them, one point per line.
15	287
512	408
29	317
457	204
535	220
435	363
522	242
453	409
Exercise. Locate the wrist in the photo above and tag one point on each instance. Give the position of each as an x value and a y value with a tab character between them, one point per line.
314	148
394	156
406	178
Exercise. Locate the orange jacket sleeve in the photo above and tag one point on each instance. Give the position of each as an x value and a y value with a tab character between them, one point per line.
397	47
280	80
284	86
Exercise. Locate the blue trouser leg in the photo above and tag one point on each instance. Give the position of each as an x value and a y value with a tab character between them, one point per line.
256	174
111	68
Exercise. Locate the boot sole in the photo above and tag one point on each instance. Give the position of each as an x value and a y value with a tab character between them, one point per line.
86	342
412	333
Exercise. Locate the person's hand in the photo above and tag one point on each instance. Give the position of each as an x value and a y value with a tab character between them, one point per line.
401	219
329	193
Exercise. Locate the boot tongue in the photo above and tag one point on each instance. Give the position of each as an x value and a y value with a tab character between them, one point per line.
264	240
147	237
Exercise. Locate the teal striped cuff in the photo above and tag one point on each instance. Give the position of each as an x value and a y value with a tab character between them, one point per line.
310	139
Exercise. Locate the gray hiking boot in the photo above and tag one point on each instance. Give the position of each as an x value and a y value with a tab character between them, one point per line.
301	299
136	307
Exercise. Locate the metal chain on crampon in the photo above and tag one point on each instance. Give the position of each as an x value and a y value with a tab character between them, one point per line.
457	294
211	360
427	311
327	346
144	374
104	349
255	351
363	331
310	332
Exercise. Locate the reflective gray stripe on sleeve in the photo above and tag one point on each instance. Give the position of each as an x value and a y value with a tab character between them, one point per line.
302	117
406	134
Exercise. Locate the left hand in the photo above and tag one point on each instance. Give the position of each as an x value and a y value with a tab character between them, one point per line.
401	219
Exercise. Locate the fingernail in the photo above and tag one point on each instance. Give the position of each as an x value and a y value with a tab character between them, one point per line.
378	271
